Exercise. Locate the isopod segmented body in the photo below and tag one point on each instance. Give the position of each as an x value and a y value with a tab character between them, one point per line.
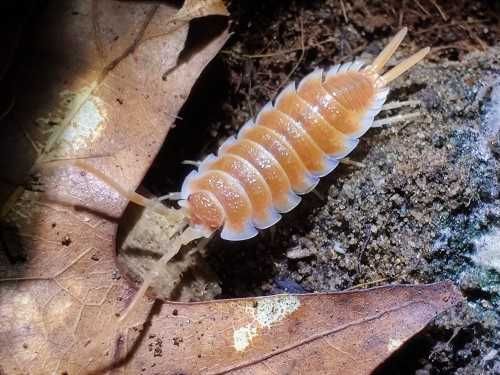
291	143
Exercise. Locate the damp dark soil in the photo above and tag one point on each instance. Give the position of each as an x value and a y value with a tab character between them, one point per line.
418	203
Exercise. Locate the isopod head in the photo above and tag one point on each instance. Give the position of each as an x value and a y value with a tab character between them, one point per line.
203	209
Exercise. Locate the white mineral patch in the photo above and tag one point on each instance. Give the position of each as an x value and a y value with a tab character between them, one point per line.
76	123
491	127
85	126
268	311
273	309
488	250
243	337
394	344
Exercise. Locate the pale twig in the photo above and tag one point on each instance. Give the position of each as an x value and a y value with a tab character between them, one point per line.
441	12
367	283
344	12
427	13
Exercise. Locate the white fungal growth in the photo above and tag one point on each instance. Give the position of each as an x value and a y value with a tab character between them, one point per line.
494	113
491	123
243	337
85	127
488	250
78	123
274	309
265	313
394	344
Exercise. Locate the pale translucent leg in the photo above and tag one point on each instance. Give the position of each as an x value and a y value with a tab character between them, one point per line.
394	119
349	161
170	197
191	162
320	196
397	118
177	195
183	235
396	104
202	244
173	247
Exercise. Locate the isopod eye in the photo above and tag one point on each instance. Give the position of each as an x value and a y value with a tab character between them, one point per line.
204	209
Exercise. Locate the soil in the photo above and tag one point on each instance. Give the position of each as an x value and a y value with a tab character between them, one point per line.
422	202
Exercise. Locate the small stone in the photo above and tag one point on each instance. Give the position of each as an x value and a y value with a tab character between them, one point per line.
492	354
177	341
66	241
299	252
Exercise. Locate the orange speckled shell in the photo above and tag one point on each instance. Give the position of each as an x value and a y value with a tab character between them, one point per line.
283	153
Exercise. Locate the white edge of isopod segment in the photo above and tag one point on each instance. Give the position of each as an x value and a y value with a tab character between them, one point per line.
227	143
332	70
272	218
246	127
205	163
311	182
369	117
316	74
248	231
289	89
357	65
345	67
186	188
329	165
293	201
350	144
267	108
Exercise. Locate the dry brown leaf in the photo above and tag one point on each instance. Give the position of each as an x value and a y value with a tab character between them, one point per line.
201	8
100	89
103	95
331	333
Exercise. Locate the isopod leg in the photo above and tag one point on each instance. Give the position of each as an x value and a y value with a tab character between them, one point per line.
395	119
396	104
173	247
195	163
170	197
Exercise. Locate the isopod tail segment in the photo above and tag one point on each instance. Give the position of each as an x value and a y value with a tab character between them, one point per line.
381	60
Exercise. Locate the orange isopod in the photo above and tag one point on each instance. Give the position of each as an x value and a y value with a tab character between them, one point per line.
293	141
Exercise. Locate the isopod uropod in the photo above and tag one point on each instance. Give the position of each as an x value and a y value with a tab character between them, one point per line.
281	154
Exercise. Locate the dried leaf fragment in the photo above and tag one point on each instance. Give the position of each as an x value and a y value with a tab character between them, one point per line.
102	96
201	8
341	333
